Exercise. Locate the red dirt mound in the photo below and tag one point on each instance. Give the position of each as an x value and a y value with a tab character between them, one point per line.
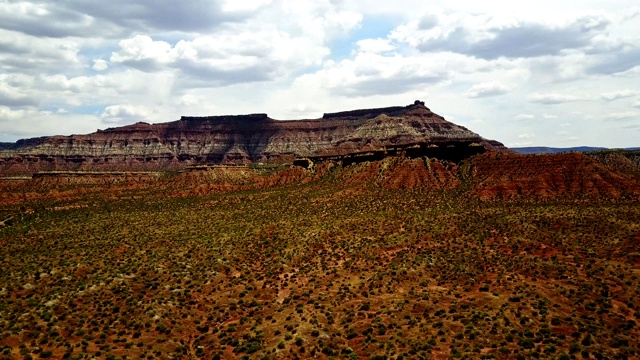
404	173
505	175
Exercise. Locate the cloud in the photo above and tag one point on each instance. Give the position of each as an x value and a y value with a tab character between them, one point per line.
221	60
143	53
527	136
428	22
189	100
166	15
46	19
610	96
15	100
522	117
125	114
377	45
13	96
245	5
623	116
371	74
619	61
24	53
479	36
520	144
100	65
486	89
27	122
552	98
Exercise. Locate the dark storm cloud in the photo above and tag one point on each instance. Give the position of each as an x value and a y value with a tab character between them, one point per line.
115	18
520	41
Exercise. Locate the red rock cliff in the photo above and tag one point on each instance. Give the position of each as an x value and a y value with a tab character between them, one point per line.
243	139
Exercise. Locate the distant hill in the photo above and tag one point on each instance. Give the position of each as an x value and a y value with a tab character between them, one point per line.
553	150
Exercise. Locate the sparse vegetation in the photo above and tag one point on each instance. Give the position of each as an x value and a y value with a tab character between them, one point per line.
324	269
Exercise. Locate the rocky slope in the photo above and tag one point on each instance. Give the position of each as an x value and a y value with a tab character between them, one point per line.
488	176
624	161
245	139
509	175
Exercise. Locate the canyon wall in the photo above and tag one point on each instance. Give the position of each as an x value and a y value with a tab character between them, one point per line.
244	139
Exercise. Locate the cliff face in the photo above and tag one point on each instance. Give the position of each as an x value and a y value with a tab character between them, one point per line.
245	139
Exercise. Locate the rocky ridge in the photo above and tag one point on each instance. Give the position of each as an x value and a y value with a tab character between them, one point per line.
246	139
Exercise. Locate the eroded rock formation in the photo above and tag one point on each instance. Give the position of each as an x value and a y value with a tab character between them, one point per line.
246	139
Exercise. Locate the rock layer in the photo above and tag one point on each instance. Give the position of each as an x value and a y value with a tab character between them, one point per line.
244	139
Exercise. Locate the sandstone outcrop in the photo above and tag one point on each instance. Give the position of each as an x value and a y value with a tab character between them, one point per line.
246	139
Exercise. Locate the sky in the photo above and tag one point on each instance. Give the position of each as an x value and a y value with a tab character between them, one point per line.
553	73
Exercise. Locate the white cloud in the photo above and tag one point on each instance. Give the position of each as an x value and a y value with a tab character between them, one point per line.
14	96
489	37
377	45
143	53
244	5
623	116
552	98
526	136
100	65
491	88
374	74
224	59
20	52
522	117
520	144
189	100
621	94
25	123
125	114
316	20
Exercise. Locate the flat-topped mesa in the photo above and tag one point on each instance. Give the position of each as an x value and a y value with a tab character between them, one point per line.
226	119
245	139
139	126
372	113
